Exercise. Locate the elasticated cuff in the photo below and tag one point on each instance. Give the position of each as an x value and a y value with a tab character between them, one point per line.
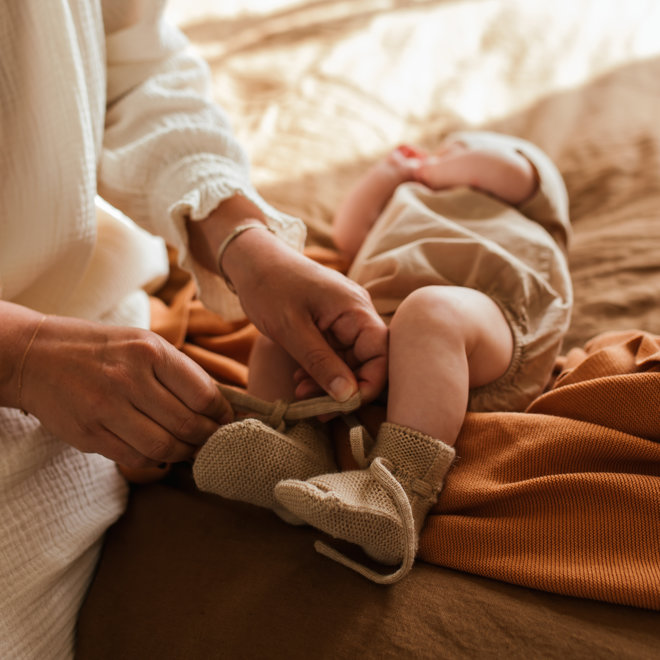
193	188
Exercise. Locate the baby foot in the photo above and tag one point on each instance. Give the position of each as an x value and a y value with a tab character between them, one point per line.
244	460
504	173
351	506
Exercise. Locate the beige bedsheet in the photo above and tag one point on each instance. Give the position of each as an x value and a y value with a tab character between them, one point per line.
317	89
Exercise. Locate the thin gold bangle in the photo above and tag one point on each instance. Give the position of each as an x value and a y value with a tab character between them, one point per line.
235	233
22	365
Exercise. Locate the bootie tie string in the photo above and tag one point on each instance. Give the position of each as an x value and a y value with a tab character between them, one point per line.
361	444
360	440
277	413
381	472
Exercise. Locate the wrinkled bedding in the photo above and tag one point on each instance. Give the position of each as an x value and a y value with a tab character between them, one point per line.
316	90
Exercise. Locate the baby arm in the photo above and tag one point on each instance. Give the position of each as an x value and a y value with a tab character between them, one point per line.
507	175
366	200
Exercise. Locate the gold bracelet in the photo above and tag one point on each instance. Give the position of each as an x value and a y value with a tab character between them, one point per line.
19	398
237	231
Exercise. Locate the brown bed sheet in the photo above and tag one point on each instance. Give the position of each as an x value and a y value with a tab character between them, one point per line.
187	575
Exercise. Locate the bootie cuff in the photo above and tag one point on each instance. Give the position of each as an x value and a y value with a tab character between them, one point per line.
418	461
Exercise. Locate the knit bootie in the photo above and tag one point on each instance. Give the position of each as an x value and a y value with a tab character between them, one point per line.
381	508
244	460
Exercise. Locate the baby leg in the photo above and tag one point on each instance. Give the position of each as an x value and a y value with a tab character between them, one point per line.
502	172
444	340
270	371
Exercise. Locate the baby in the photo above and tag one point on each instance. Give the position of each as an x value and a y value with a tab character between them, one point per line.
463	252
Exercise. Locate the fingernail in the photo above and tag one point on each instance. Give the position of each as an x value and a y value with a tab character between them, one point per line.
341	389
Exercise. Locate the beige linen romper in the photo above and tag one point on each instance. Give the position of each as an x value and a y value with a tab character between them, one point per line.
464	237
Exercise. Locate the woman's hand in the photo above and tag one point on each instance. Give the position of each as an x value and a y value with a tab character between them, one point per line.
121	392
325	321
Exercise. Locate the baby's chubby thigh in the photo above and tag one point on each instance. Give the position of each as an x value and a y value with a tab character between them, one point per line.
449	325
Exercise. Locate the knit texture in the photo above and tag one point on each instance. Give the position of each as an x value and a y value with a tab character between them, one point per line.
55	505
356	507
244	460
565	497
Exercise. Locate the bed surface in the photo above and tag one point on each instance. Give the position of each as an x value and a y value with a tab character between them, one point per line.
184	576
316	90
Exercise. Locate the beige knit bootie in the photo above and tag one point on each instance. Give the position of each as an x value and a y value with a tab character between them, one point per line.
382	507
244	460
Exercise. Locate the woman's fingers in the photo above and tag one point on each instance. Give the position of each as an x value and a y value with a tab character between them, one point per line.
193	390
178	408
167	422
353	347
304	307
365	343
121	392
324	366
171	404
122	452
151	440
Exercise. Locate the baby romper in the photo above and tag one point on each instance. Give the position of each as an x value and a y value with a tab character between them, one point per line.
465	237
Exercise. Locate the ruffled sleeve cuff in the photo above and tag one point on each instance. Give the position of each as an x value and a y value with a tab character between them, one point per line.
193	188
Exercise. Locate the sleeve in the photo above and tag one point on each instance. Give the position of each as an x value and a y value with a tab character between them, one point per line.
168	151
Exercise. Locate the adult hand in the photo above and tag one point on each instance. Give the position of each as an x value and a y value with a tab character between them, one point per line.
325	321
121	392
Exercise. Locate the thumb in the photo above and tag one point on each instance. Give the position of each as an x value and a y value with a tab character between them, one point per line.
316	357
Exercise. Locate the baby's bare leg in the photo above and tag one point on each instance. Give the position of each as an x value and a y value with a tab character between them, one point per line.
444	340
270	372
505	174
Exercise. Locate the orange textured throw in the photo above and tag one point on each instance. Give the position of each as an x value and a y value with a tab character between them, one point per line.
566	496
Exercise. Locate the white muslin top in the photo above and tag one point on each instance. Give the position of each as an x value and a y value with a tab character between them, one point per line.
99	99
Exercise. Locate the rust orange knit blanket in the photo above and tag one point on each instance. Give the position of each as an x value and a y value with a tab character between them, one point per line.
564	497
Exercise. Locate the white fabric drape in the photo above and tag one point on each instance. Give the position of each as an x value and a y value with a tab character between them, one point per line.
95	97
